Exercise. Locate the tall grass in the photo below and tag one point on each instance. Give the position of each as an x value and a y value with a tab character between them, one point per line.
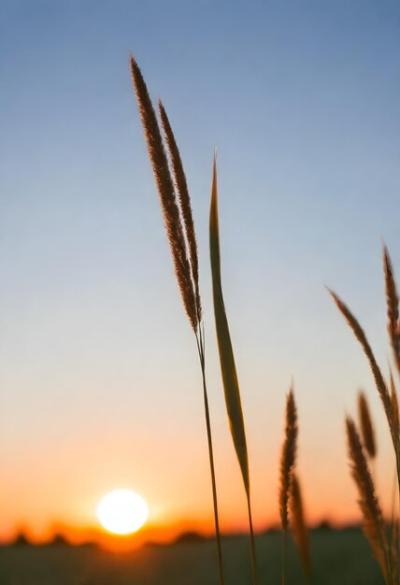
178	219
291	507
380	383
384	546
362	450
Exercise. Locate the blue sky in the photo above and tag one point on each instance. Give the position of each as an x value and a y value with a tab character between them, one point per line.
301	100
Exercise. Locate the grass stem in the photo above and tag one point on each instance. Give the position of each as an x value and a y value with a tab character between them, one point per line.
201	351
253	554
284	557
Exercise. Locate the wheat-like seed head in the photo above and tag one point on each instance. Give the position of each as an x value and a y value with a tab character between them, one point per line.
379	380
366	425
288	457
298	524
184	201
167	194
373	523
392	305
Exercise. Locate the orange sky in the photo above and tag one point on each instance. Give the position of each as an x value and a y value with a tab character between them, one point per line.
60	492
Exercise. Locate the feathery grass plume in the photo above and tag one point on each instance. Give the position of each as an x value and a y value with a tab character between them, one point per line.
298	524
392	304
288	457
181	235
227	362
366	426
167	194
288	460
373	523
379	380
184	201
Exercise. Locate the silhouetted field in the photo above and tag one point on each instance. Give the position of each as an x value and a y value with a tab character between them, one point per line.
339	557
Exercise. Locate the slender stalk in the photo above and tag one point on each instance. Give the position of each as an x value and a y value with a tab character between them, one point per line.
284	555
394	530
253	555
201	351
177	212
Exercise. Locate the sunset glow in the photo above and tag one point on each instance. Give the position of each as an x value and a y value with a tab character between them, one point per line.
122	511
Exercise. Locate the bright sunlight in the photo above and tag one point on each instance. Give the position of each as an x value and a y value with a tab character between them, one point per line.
122	511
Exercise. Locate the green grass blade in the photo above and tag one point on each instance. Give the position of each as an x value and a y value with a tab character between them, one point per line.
227	361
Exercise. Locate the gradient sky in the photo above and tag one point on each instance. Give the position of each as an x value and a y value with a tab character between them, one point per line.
99	381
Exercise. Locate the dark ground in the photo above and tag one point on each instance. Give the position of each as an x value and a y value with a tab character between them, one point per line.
339	558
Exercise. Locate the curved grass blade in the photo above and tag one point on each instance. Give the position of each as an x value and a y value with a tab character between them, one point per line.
227	362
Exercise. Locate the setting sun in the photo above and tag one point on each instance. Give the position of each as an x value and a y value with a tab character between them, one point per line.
122	511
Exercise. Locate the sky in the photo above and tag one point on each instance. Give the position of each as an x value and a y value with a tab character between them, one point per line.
99	379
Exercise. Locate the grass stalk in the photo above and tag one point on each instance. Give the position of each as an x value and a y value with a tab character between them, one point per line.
201	351
253	553
177	214
284	556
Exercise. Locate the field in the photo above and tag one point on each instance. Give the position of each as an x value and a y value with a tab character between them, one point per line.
340	557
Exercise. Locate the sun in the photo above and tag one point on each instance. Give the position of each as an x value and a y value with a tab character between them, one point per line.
122	511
